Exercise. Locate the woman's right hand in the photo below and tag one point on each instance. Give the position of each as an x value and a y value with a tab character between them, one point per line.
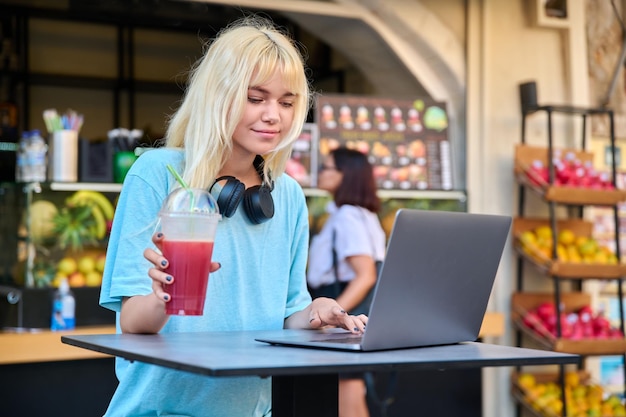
158	272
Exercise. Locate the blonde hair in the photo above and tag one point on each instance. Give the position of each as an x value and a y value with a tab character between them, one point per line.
244	54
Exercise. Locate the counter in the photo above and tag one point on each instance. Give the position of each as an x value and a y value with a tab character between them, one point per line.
46	346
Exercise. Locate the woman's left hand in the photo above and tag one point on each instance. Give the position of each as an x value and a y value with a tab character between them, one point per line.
327	312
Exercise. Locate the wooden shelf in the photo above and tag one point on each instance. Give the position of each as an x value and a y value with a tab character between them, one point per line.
524	157
522	395
526	301
567	270
559	269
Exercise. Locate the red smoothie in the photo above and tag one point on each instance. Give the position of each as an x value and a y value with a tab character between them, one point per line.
190	263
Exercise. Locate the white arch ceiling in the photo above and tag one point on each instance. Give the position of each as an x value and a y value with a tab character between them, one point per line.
401	47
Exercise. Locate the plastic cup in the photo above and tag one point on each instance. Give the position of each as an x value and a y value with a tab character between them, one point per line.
189	220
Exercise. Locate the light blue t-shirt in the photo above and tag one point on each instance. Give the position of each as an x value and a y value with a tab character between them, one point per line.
261	282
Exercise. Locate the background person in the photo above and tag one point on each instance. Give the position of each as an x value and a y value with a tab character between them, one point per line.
248	96
354	231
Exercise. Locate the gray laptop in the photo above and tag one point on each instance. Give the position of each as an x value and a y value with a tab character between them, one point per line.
433	288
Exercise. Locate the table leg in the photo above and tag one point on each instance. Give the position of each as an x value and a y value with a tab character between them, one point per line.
305	396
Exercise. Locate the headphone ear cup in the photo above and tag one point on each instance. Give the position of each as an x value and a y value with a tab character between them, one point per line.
258	204
230	196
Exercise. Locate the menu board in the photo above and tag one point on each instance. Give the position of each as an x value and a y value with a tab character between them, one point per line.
406	140
304	156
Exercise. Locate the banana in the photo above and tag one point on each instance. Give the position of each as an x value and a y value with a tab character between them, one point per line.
101	222
83	197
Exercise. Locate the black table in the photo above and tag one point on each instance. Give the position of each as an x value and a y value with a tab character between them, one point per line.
301	377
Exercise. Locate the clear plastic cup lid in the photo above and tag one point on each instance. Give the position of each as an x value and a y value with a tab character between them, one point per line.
190	201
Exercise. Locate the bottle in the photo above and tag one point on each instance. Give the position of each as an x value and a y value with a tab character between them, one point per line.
22	172
63	308
36	158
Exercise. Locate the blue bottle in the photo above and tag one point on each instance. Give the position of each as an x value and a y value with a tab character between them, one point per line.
63	308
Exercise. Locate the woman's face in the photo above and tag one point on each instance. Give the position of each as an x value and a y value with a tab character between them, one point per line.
267	117
329	177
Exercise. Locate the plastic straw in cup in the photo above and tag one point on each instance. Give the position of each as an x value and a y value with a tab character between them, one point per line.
182	183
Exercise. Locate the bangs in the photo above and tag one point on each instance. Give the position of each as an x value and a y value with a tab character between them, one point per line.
271	61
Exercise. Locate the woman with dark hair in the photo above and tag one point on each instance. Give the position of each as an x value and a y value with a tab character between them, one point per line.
343	256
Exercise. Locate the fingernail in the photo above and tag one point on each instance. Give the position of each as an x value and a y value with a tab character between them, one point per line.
163	262
168	278
159	235
166	297
310	321
343	311
219	265
356	329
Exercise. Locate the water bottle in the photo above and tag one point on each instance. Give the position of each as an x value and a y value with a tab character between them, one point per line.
22	171
37	150
63	308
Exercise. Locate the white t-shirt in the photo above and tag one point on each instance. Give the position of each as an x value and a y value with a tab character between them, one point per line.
357	232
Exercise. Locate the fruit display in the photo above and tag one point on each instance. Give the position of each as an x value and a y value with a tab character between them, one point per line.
583	323
564	250
65	237
569	171
84	270
578	254
84	220
572	168
583	330
583	398
571	247
575	179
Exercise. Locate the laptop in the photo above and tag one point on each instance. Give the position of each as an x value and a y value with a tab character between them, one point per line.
433	287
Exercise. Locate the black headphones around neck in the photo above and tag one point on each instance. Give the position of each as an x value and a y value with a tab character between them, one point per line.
257	200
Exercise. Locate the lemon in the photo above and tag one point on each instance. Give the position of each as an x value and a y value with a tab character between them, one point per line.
566	237
544	232
93	279
526	380
67	266
572	379
86	264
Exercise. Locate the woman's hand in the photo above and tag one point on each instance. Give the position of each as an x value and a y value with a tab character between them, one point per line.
146	313
326	312
158	271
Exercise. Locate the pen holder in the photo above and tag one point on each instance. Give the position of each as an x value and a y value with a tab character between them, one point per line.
122	161
63	156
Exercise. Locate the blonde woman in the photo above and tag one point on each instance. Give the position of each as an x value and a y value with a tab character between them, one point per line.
245	105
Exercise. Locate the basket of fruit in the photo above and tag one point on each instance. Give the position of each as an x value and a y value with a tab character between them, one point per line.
575	180
542	394
578	254
583	331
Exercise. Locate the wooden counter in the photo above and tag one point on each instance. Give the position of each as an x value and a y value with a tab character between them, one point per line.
46	346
